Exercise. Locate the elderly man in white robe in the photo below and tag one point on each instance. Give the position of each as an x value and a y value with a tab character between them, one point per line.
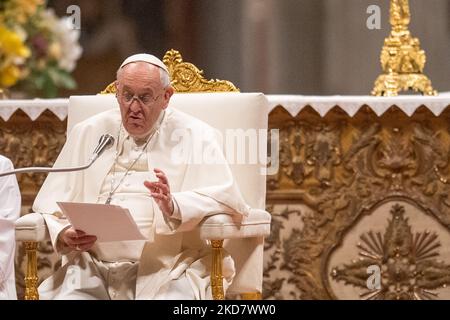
167	198
9	211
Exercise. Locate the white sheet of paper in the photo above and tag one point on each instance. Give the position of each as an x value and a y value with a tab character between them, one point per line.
107	222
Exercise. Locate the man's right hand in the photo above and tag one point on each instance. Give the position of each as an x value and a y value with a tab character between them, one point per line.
77	239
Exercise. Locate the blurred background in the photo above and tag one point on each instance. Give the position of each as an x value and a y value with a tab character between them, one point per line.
318	47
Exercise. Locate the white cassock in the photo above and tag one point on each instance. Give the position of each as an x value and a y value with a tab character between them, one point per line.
174	263
9	212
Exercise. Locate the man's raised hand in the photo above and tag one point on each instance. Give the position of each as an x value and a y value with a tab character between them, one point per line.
160	191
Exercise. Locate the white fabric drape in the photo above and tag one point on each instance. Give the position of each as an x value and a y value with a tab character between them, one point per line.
34	108
351	104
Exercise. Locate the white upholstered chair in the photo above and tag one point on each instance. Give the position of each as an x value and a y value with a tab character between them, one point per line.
243	239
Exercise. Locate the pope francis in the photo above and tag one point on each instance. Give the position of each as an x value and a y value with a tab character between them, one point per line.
167	198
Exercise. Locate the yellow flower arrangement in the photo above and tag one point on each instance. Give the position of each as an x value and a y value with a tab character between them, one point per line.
13	52
20	11
38	50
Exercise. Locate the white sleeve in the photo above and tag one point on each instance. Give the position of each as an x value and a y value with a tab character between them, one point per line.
9	193
10	202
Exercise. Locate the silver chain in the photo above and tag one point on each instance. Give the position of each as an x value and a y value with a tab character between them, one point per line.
114	189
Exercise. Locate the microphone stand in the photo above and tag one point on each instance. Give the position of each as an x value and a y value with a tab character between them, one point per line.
106	141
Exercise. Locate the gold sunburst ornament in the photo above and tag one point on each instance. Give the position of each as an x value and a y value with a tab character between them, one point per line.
402	59
411	268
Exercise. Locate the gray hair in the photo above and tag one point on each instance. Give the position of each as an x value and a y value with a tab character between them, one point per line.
163	76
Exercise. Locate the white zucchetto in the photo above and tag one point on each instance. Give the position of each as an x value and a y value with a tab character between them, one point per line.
145	57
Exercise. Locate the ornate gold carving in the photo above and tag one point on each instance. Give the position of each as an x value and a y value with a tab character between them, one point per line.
216	270
310	152
31	143
110	88
409	270
188	78
402	60
366	161
316	156
276	284
31	279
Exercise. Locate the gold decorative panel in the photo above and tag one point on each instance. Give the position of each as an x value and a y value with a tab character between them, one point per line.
31	144
334	172
407	249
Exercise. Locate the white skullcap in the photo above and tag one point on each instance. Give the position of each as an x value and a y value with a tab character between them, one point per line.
144	57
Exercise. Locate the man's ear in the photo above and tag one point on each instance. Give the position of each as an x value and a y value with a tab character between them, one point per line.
167	95
169	92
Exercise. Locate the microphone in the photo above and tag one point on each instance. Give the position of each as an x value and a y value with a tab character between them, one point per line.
106	141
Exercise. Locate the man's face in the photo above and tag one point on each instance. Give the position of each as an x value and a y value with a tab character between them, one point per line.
141	97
